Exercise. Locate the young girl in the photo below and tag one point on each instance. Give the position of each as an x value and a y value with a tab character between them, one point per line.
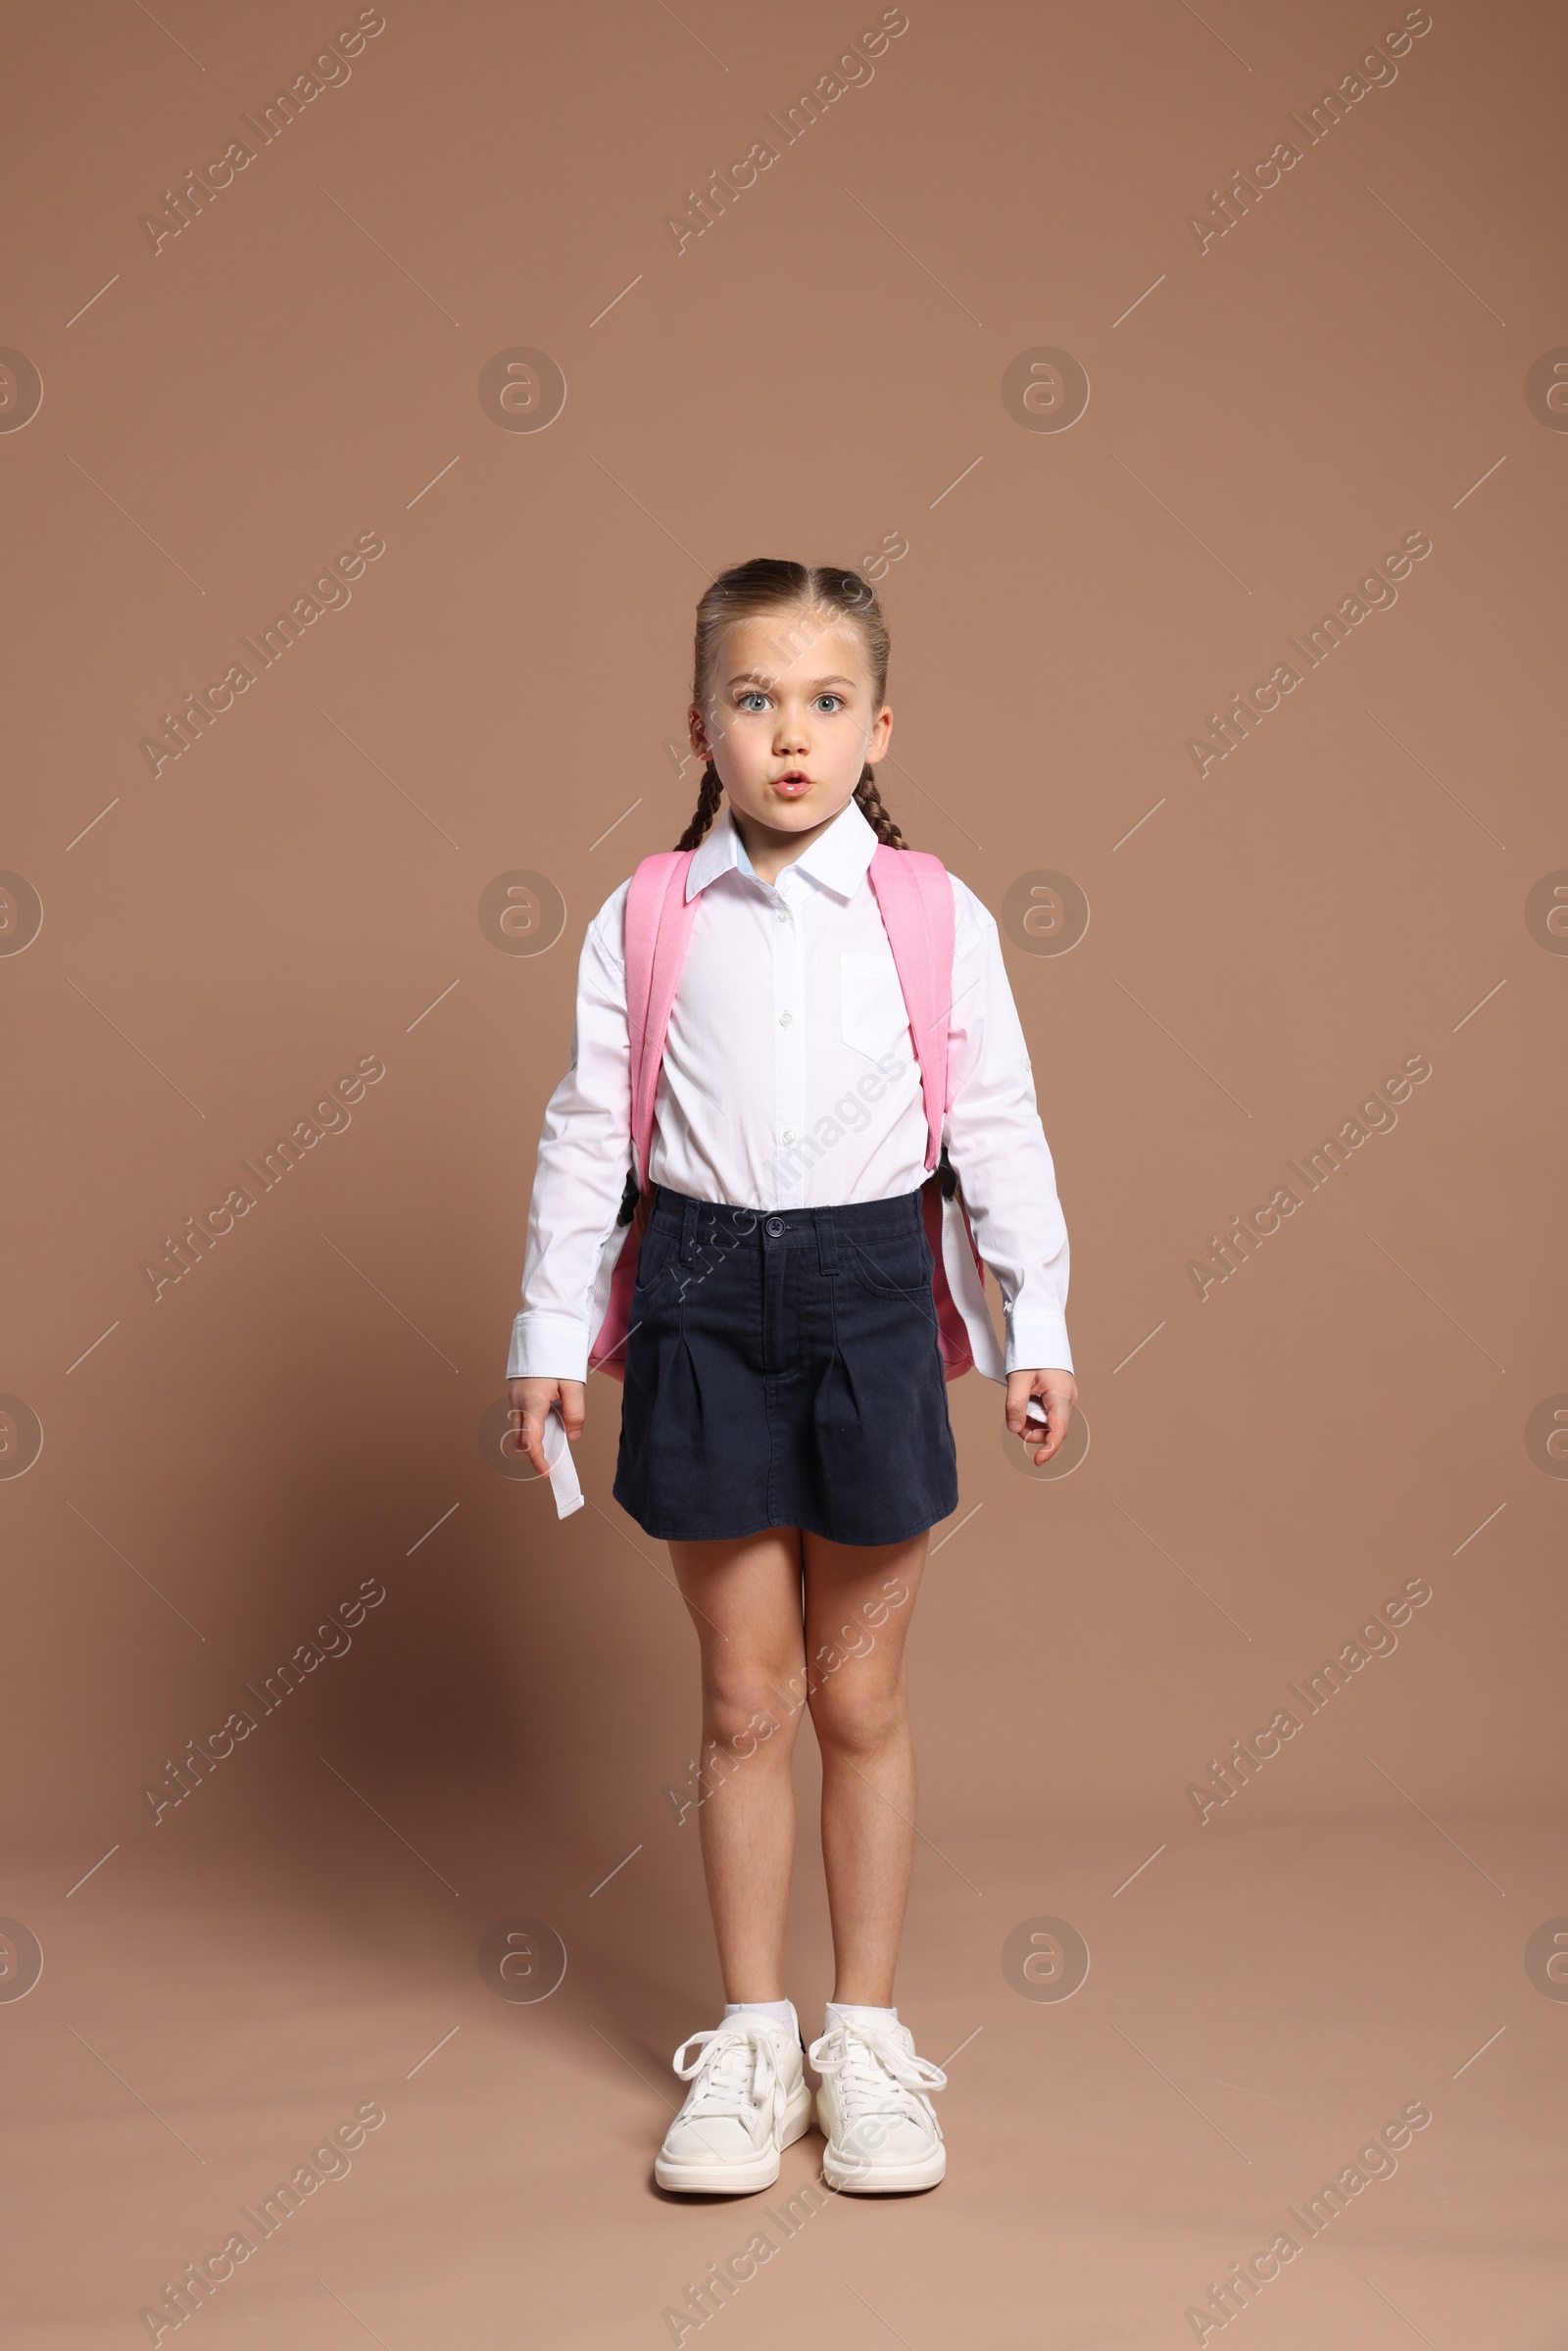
784	1423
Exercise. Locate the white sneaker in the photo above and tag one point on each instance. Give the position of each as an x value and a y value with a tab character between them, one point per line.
881	2128
748	2102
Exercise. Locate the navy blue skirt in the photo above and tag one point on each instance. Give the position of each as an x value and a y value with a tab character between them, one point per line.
782	1370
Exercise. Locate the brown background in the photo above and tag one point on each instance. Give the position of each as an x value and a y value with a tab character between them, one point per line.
300	365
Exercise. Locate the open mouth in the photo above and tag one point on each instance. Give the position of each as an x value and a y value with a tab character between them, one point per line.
794	783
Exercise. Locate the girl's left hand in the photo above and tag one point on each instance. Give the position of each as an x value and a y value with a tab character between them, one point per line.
1057	1390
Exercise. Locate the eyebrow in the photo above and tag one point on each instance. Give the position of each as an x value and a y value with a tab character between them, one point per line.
759	678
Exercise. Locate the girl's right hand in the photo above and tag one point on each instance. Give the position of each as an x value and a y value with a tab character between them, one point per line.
531	1401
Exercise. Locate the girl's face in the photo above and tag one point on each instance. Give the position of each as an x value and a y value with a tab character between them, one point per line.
791	719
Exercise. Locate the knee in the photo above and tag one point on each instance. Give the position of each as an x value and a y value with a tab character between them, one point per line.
856	1716
745	1711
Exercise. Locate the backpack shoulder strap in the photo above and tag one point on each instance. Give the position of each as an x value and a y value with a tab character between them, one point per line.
914	896
659	928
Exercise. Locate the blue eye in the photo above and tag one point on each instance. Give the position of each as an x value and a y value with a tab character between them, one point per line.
838	698
754	695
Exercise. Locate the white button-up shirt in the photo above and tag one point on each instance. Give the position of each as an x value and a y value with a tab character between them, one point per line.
789	1081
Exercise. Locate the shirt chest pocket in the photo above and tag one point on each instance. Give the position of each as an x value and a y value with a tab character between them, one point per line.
871	1009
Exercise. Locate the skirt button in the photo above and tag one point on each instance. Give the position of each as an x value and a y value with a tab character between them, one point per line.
773	1227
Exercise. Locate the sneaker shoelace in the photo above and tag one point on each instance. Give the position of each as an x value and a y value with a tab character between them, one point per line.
876	2074
735	2071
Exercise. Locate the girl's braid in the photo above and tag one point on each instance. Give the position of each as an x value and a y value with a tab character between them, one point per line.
709	800
869	801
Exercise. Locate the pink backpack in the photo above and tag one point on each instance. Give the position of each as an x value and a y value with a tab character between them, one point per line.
914	896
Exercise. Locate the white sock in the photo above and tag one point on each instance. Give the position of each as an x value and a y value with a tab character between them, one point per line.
854	2014
781	2011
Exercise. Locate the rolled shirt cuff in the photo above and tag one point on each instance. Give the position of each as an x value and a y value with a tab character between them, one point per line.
548	1346
1037	1341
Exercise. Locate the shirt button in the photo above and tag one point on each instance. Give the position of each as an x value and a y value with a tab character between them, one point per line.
773	1227
789	1134
784	1020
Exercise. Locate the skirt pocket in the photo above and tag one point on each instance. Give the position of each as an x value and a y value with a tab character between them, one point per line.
899	1266
657	1248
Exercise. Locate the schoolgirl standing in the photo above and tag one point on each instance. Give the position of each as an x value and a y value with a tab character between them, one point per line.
786	1346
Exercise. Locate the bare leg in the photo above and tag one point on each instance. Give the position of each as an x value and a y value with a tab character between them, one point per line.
859	1603
745	1602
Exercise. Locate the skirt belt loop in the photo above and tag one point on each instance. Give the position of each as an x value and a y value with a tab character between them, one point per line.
827	1241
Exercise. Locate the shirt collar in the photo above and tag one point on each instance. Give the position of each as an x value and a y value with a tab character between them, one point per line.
838	858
